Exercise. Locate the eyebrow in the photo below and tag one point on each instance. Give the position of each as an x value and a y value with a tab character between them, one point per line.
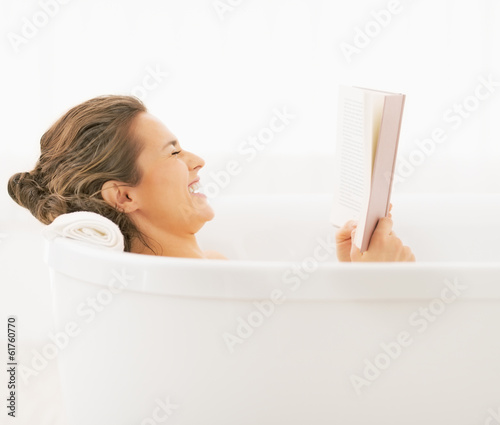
172	142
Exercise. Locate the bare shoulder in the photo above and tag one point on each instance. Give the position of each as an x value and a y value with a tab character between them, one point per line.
214	255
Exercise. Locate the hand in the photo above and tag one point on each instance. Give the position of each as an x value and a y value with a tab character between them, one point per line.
344	240
384	245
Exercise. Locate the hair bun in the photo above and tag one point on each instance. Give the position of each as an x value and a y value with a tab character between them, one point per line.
25	189
27	180
19	177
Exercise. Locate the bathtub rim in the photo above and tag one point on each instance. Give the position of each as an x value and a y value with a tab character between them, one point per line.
63	243
352	281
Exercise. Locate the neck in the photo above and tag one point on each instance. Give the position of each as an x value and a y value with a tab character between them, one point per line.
168	245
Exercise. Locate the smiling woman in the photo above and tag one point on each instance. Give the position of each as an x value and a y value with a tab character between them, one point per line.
110	156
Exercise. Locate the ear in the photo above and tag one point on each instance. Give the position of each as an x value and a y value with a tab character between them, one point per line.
119	196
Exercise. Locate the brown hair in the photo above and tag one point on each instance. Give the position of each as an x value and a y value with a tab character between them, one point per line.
89	145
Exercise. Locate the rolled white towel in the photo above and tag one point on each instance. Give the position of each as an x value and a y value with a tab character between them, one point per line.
88	227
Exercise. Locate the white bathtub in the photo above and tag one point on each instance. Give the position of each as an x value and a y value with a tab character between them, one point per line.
315	354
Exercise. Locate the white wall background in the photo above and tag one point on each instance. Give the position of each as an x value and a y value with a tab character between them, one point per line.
224	74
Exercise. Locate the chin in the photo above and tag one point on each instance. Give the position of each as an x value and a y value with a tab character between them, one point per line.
203	216
210	214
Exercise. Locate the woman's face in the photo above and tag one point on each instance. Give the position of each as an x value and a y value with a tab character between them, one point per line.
163	197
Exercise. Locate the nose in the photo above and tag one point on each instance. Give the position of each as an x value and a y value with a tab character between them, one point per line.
195	162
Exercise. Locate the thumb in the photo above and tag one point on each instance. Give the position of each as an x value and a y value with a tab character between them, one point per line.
384	226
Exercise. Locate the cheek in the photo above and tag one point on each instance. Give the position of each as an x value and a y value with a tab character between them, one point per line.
165	182
159	179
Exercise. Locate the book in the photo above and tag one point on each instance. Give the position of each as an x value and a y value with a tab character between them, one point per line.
368	127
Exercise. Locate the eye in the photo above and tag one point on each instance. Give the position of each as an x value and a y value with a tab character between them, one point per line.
176	153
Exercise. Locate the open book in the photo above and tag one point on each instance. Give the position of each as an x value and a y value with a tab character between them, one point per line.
368	128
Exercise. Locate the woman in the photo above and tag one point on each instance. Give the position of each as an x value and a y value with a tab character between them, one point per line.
110	156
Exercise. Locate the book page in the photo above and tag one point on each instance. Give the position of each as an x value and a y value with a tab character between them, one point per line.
350	186
351	165
374	105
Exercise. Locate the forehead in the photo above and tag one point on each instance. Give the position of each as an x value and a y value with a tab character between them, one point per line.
150	131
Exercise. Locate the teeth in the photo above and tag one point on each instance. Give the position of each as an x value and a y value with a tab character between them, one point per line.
194	187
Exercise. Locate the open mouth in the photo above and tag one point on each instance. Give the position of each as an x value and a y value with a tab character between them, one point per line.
194	189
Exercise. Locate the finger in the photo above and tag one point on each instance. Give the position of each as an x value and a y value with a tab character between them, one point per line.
389	213
345	231
384	226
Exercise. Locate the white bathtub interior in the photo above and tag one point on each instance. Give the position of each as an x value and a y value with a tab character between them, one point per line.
163	337
438	227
